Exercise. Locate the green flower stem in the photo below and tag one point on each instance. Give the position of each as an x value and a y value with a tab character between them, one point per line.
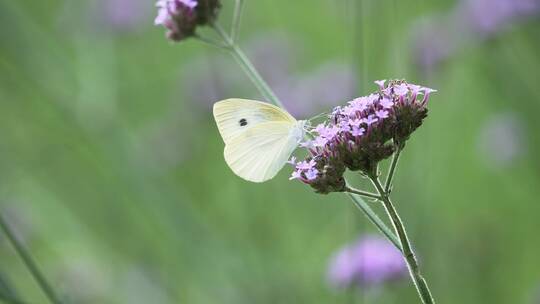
248	67
372	216
408	254
362	193
210	42
29	262
235	28
392	171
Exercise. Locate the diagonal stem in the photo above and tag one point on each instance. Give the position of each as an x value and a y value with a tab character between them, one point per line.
392	171
248	67
412	264
29	262
372	216
211	42
235	29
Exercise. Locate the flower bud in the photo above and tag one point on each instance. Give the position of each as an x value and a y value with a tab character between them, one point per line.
181	17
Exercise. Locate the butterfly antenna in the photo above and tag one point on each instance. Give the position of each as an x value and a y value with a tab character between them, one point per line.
317	116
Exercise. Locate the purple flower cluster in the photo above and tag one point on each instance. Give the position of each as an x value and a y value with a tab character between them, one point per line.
369	261
181	17
357	136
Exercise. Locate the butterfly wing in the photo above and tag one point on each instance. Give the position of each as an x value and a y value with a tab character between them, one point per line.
235	116
261	151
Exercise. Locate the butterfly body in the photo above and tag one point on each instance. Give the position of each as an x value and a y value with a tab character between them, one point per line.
259	137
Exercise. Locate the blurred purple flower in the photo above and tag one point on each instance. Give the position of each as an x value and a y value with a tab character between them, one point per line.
369	261
489	16
126	14
303	94
104	17
470	21
502	139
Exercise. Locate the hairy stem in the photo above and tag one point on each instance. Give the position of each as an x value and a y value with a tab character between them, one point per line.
29	262
362	193
412	264
392	171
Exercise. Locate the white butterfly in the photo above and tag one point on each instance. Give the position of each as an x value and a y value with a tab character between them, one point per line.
259	137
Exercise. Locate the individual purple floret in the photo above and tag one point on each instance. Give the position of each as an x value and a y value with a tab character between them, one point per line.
181	17
360	134
369	261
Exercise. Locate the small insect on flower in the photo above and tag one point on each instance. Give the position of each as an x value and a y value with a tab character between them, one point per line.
181	17
362	133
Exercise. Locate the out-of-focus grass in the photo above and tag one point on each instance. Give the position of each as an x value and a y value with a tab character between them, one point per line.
118	187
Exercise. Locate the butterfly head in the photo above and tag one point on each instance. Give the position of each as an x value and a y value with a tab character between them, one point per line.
300	129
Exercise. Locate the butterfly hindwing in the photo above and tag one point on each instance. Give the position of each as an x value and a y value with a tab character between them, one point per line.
260	152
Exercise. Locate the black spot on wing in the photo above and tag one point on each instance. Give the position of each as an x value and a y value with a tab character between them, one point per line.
243	122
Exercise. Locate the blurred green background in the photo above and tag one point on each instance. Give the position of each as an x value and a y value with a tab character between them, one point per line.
113	176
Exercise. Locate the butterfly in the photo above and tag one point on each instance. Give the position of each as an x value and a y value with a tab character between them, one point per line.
259	137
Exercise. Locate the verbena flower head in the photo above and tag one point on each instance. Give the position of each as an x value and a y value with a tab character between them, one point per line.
369	261
360	134
181	17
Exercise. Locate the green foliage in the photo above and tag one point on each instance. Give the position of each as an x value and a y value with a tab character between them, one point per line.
116	182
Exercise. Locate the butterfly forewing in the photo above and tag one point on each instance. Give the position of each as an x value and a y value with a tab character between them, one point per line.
259	137
235	116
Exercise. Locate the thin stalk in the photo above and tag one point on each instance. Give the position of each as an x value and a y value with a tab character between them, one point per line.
362	193
412	264
235	28
248	67
211	42
392	171
29	262
372	216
